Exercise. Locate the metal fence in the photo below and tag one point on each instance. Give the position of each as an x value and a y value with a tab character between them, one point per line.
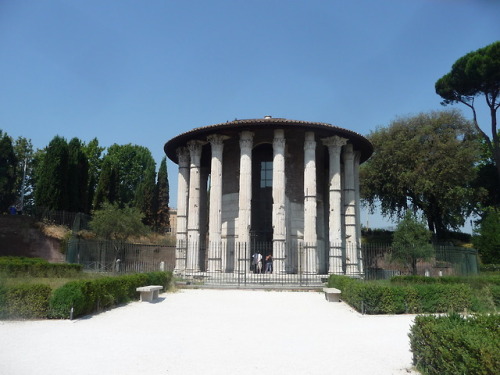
113	256
293	264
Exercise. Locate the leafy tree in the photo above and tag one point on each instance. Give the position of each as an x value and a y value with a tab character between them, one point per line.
411	243
162	218
473	75
425	162
487	237
119	224
78	176
8	164
52	176
94	157
128	163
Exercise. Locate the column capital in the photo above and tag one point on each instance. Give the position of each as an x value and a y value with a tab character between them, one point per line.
246	140
183	156
194	148
217	139
334	141
309	142
348	153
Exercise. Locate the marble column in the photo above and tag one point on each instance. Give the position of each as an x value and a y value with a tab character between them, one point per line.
182	206
309	261
350	212
279	212
357	202
334	145
193	251
245	196
216	258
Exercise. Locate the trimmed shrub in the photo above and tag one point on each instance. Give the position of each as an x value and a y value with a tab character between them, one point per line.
456	345
91	296
377	298
25	301
36	267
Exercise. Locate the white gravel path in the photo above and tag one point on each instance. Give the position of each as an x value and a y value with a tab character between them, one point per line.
212	332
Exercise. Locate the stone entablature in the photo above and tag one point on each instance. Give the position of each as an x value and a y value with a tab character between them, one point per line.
275	180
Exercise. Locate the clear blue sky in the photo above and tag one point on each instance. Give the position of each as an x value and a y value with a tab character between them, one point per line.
141	72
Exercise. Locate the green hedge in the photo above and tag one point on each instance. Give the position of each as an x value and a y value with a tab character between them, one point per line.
89	296
25	301
486	288
477	282
28	301
378	298
36	267
456	345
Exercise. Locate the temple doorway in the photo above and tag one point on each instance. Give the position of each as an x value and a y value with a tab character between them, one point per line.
262	196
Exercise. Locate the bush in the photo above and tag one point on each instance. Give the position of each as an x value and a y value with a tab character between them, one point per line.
25	301
456	345
87	297
36	267
380	298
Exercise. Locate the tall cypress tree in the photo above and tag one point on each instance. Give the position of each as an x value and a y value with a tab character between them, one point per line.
93	152
108	186
162	199
8	162
52	176
145	196
78	175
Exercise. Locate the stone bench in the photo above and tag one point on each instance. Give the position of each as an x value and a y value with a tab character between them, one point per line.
332	294
149	293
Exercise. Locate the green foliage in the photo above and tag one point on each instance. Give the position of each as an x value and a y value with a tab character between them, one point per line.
25	301
125	164
78	176
91	296
51	188
487	237
424	162
383	298
8	164
36	267
456	345
473	75
107	190
115	223
162	218
411	243
93	152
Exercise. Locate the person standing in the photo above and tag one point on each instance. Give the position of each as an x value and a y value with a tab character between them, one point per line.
257	262
269	264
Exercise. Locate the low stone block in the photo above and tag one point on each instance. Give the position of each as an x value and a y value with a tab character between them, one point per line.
332	294
149	293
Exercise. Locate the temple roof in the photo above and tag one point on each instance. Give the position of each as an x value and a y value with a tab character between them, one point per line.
232	128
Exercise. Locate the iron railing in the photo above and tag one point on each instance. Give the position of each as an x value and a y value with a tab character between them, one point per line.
293	264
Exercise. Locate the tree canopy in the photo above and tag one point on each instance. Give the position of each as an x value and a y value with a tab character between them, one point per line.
424	162
473	75
131	166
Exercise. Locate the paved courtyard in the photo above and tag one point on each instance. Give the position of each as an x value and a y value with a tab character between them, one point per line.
198	331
